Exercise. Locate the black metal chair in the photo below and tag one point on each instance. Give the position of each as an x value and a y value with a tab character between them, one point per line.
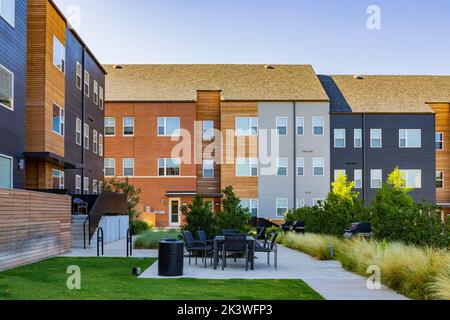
195	246
269	248
261	234
228	231
235	244
203	238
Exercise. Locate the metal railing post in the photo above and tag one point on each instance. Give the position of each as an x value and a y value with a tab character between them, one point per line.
129	243
100	236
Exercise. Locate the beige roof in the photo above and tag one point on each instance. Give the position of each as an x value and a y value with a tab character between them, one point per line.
237	82
387	94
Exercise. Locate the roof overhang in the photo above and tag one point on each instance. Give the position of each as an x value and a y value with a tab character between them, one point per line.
52	158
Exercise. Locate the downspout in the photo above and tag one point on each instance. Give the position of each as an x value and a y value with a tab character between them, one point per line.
364	156
83	103
295	155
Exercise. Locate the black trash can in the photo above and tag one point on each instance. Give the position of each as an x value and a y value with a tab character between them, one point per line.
171	258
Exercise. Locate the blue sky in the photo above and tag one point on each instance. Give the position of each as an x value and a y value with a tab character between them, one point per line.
332	35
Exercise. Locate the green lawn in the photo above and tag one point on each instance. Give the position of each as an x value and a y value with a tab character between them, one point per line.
111	279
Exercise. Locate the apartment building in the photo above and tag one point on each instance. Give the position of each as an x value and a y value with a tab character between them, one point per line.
64	106
13	44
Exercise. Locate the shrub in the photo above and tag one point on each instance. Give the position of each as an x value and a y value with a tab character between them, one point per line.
199	216
139	227
151	239
233	215
132	195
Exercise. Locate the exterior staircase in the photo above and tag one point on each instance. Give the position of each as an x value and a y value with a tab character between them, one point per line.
77	232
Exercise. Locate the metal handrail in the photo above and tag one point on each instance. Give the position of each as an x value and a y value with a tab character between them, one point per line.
88	220
129	243
100	236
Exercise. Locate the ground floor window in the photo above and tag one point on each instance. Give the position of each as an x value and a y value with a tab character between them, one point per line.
413	178
282	206
252	205
86	185
6	172
58	179
439	179
78	184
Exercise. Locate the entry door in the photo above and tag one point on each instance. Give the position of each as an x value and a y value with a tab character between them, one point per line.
174	212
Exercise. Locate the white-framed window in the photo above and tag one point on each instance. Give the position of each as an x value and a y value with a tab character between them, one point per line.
86	136
86	185
252	205
339	138
58	120
95	141
358	141
413	178
95	92
300	125
301	203
246	126
77	184
169	127
300	167
8	11
319	167
282	167
169	167
6	88
87	81
6	172
110	167
440	180
78	134
246	167
338	173
59	55
101	98
94	186
282	126
79	76
58	179
100	186
208	169
128	126
208	130
410	138
318	126
439	141
376	179
110	126
282	206
358	179
100	145
128	167
376	138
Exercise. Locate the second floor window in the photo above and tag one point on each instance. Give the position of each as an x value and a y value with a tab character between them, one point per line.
78	131
58	179
410	138
339	138
58	120
110	126
100	145
318	167
128	126
128	167
87	81
95	141
59	55
439	141
246	167
86	136
168	167
439	179
376	179
8	11
86	185
168	126
208	169
358	179
77	184
358	142
79	76
300	167
110	167
282	206
96	92
95	186
6	88
376	138
413	178
300	124
282	126
208	130
246	126
282	167
318	126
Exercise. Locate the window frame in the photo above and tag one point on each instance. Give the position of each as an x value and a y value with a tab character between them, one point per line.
85	185
253	205
253	163
406	172
79	68
13	17
165	167
203	169
11	169
314	166
165	135
95	94
77	189
442	179
113	166
113	126
95	141
278	163
279	207
361	179
372	172
302	160
62	54
87	83
12	88
210	130
62	121
406	139
278	126
78	131
86	136
316	126
61	179
441	141
101	98
337	171
100	144
124	167
336	139
94	186
372	139
127	126
356	139
300	203
249	133
302	125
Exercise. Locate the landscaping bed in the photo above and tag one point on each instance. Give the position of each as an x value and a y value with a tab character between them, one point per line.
150	239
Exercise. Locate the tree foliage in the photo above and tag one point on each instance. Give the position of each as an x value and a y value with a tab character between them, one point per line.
199	216
233	215
132	193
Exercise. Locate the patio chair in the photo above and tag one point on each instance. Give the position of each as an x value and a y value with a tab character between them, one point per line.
203	238
235	244
262	234
228	231
195	246
269	248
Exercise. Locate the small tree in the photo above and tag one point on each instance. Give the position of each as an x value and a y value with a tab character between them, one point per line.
199	216
233	215
132	195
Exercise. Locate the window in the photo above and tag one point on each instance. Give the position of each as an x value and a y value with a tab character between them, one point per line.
208	169
318	202
100	145
301	203
282	206
339	138
318	126
376	138
376	179
413	178
78	132
95	187
59	55
58	179
96	92
208	130
87	81
110	126
319	167
300	167
6	88
79	75
6	172
338	173
95	141
128	167
77	184
168	127
410	138
58	120
282	167
100	186
300	124
439	179
358	142
246	167
128	126
168	167
86	136
7	11
439	141
86	185
102	98
252	206
358	179
110	167
246	126
282	126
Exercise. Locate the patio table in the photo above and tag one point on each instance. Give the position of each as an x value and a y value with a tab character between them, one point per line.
218	242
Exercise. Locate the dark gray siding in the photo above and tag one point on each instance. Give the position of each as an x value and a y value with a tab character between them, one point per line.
13	43
390	156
